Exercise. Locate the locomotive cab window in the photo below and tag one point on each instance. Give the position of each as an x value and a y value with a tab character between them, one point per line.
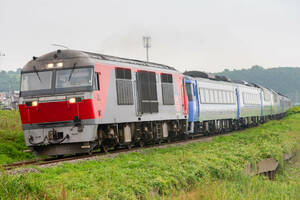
68	78
124	86
36	81
74	80
167	89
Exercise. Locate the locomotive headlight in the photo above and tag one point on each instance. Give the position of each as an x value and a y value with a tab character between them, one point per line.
60	64
34	103
72	100
31	103
50	65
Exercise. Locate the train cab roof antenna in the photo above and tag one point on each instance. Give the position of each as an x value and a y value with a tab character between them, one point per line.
60	45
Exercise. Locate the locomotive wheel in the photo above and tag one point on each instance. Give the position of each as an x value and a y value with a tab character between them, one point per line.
59	156
186	137
141	143
116	147
104	148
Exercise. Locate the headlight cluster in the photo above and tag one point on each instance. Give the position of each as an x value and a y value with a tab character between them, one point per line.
70	100
51	65
74	99
32	103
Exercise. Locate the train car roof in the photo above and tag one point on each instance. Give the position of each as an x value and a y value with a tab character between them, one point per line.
82	59
200	74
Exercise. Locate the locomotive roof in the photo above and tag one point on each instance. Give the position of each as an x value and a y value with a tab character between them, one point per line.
129	61
81	58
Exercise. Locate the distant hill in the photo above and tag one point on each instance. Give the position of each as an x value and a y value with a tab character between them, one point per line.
285	80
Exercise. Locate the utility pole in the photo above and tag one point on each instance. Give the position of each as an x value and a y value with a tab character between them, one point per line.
147	45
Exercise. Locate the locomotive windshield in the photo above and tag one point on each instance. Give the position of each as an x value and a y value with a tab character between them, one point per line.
36	81
73	78
64	80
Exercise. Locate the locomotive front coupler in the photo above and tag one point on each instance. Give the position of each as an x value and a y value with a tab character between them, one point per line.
55	135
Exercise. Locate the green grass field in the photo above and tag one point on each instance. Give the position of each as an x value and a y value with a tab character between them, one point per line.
286	185
212	170
11	138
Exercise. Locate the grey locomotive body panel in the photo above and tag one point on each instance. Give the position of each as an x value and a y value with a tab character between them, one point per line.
115	113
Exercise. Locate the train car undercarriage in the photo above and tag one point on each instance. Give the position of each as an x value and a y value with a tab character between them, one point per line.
127	135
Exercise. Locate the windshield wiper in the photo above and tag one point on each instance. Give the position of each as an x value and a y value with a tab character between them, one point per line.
72	71
37	73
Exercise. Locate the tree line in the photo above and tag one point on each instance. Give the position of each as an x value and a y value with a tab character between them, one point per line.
10	80
285	80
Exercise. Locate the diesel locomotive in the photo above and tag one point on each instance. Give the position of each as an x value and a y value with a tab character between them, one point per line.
72	102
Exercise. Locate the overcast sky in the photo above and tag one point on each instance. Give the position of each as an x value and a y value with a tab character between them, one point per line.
206	35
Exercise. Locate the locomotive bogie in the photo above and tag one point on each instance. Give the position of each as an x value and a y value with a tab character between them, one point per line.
140	133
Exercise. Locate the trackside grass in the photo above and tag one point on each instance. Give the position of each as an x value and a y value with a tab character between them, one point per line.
286	185
214	167
12	141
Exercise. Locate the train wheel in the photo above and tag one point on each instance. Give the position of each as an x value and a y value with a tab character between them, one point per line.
141	143
104	148
186	137
116	147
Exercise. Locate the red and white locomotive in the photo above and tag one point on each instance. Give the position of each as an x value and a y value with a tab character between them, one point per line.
74	101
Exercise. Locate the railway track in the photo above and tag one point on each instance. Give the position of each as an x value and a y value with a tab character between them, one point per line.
115	152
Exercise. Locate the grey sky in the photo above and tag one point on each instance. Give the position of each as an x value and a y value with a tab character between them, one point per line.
206	35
